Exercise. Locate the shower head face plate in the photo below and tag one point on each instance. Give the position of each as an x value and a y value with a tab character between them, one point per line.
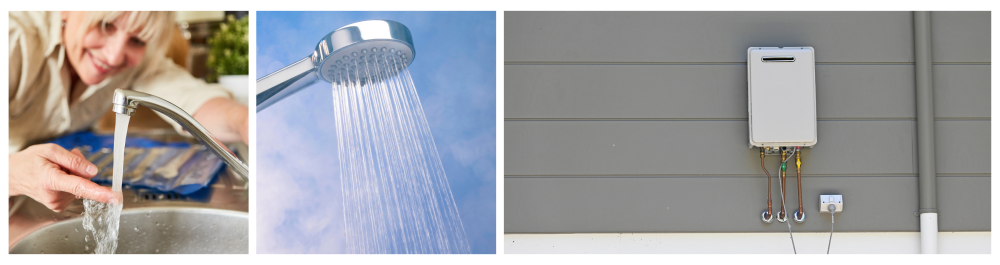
348	52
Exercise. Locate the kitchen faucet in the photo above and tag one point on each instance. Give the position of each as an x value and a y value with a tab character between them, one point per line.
125	102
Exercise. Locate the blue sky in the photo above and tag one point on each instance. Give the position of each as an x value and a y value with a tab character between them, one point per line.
299	202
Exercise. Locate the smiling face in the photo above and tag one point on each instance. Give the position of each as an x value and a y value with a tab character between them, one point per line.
99	51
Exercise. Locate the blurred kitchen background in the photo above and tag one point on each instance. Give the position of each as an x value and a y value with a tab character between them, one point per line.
211	45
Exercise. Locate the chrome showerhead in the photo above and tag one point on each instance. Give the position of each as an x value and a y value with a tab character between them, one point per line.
344	55
346	51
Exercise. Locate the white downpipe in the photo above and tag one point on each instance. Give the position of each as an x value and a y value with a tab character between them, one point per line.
928	233
927	176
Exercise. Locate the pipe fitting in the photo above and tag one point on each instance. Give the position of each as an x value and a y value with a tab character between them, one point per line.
782	217
767	218
799	217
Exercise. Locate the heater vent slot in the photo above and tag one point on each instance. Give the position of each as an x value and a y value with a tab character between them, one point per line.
772	59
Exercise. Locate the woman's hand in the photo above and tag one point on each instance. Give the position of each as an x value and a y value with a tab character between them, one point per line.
54	177
245	130
226	119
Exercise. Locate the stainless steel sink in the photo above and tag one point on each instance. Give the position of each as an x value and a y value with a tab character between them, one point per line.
154	230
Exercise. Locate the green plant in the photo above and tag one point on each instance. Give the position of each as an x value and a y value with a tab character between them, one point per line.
229	52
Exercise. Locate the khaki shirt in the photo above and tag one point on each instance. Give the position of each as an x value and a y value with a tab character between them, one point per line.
39	90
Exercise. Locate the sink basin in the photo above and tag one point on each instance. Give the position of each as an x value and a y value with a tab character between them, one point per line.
159	230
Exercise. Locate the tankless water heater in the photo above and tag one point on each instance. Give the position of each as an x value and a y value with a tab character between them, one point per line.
781	96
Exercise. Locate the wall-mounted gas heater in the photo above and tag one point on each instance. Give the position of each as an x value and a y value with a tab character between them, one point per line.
782	96
781	99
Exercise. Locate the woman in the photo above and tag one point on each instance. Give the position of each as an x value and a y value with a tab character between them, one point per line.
64	67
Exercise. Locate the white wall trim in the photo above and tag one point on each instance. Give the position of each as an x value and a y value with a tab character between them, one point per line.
743	243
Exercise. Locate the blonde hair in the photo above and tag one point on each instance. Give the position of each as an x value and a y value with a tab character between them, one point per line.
154	27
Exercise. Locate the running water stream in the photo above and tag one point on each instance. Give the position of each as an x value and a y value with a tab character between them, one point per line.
396	194
101	219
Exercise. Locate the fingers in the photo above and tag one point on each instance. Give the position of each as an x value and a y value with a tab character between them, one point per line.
80	187
76	151
60	202
75	163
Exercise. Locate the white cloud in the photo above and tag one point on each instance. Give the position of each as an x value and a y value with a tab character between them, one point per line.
298	184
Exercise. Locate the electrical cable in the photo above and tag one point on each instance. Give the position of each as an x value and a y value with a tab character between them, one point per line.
783	210
833	210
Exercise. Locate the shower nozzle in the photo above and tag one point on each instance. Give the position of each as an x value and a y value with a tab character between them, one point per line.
374	41
338	57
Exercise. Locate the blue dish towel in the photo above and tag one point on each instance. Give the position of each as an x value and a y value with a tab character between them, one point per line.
198	171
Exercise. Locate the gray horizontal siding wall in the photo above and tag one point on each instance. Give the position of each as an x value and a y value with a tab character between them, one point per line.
637	121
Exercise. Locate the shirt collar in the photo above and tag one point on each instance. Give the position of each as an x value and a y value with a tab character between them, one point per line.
54	36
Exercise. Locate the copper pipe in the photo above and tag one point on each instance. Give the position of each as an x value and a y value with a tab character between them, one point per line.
768	183
798	175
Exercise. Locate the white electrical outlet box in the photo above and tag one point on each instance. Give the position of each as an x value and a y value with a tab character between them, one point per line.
826	200
781	96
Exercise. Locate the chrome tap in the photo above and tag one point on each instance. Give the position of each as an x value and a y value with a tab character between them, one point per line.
125	102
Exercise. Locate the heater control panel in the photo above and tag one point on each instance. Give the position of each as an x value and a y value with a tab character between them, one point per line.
781	90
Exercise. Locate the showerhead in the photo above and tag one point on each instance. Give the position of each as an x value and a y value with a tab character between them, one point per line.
340	53
344	55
